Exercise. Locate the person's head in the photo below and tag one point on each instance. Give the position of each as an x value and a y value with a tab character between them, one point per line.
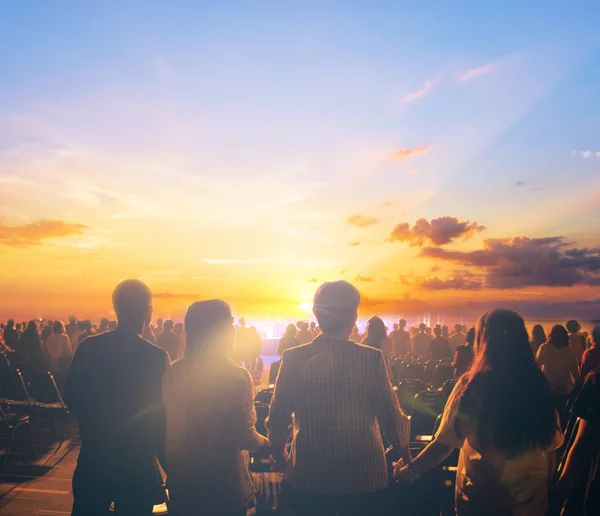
596	336
538	335
558	336
132	302
505	391
58	327
402	324
458	328
573	326
437	331
87	325
209	329
428	330
290	331
422	327
32	327
159	323
242	322
178	328
313	325
104	322
168	325
470	337
18	327
302	326
112	325
335	306
10	324
375	332
72	319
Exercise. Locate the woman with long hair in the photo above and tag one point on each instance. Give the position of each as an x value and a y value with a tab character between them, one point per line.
538	337
376	336
58	348
210	419
501	415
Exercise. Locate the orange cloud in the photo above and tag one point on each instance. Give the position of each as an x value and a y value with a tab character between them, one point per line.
362	221
440	231
404	154
35	232
475	72
417	94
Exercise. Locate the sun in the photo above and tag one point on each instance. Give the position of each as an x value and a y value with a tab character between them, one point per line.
306	306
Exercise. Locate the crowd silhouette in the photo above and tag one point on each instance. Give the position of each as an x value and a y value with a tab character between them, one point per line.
357	424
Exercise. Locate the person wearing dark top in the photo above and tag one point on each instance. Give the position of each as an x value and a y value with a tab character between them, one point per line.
30	350
11	336
438	347
463	358
400	339
114	387
71	328
579	483
288	339
591	358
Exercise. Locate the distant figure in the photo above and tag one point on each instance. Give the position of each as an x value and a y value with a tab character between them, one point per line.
457	338
114	387
178	329
30	348
313	330
400	339
420	342
304	335
559	363
501	417
355	336
576	339
87	331
376	337
170	342
445	332
210	419
112	325
159	328
72	327
288	339
11	335
103	328
591	358
46	331
76	335
438	347
463	357
342	400
538	337
58	348
149	334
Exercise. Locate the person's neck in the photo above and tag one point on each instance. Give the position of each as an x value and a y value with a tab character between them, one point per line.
131	328
338	336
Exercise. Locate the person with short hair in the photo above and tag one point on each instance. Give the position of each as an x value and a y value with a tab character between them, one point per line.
342	399
421	341
438	348
210	419
170	341
114	387
400	340
576	339
457	338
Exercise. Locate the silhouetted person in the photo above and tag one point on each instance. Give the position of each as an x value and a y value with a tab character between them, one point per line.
341	398
114	388
538	337
170	342
591	358
103	328
58	348
30	349
457	338
464	355
46	331
11	335
288	339
438	347
304	335
355	336
159	328
400	339
576	339
445	332
72	327
376	337
420	342
313	330
210	419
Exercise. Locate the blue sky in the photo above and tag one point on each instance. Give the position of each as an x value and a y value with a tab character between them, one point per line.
269	123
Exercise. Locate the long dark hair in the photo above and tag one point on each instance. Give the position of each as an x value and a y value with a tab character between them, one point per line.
376	333
538	337
504	393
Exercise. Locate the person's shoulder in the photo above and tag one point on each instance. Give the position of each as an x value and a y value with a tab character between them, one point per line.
367	351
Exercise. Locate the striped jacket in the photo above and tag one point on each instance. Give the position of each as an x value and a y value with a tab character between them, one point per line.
337	395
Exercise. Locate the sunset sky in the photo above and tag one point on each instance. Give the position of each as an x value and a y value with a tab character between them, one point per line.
433	153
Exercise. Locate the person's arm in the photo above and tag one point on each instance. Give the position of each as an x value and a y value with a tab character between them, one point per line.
244	429
393	422
280	415
584	368
74	391
579	457
540	357
157	417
